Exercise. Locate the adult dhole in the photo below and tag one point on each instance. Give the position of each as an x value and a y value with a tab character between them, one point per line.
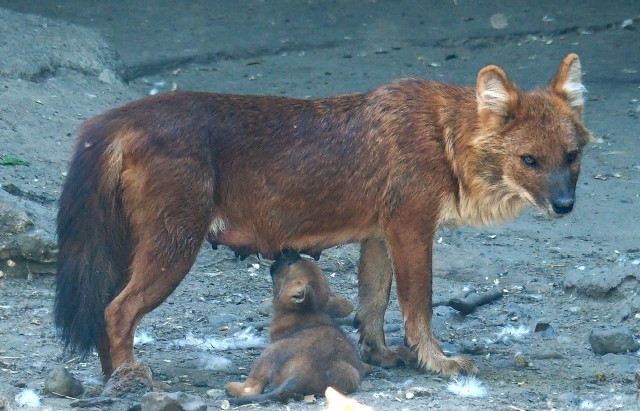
151	180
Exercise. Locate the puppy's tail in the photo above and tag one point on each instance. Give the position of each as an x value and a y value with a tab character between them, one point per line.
283	392
94	239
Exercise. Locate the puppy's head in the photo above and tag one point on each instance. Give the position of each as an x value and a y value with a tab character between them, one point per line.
300	285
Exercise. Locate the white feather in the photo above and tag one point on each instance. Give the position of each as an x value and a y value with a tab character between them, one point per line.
512	333
142	338
214	362
28	398
467	387
241	340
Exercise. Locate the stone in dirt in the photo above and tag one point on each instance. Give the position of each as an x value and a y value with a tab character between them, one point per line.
24	249
61	382
601	282
52	46
173	401
606	340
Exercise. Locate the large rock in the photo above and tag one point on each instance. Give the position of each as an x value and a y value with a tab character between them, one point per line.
602	282
61	382
606	340
49	46
25	249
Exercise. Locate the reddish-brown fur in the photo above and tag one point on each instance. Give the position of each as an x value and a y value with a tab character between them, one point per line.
308	352
151	180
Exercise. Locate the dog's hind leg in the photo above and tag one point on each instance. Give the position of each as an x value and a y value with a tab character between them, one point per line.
169	207
343	377
375	273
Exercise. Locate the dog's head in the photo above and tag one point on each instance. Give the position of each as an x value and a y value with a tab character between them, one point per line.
300	285
531	143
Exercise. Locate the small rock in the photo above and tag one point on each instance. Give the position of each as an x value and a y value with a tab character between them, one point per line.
612	340
520	360
219	321
61	382
108	76
215	393
265	308
473	348
549	355
567	397
545	328
418	392
366	386
174	401
225	404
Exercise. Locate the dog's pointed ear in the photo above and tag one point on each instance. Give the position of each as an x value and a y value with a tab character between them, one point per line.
567	83
496	96
338	307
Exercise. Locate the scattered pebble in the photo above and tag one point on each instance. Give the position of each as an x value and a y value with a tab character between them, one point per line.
605	340
174	401
520	360
215	393
265	308
545	328
498	21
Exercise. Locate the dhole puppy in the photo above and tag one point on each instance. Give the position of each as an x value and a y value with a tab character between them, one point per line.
151	180
308	352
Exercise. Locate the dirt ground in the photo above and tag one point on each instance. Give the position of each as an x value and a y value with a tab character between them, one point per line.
64	62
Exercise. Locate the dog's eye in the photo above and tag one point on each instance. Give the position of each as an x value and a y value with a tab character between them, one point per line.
529	160
571	157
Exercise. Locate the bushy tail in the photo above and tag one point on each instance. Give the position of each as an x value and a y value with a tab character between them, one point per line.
283	392
94	240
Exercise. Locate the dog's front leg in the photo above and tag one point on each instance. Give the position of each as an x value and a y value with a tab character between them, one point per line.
410	244
375	273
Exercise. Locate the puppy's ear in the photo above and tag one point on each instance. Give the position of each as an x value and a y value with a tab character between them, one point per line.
496	96
338	307
567	83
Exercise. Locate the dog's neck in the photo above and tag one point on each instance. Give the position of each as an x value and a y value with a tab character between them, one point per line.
286	323
483	198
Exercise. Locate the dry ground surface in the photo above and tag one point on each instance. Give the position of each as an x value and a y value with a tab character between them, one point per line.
63	62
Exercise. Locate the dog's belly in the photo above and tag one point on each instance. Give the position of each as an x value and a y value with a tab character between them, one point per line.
245	241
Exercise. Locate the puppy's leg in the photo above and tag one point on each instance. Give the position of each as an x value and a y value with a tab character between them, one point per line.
248	388
375	273
258	377
343	377
410	243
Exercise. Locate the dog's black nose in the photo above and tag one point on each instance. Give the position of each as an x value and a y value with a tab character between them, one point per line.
562	205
